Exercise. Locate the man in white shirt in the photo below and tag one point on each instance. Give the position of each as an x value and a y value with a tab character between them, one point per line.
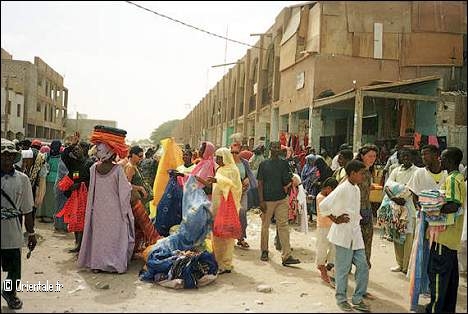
401	175
342	206
431	177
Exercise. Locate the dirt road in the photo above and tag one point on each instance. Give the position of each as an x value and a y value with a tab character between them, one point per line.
294	289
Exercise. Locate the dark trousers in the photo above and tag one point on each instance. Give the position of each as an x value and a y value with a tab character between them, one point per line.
367	230
443	279
11	263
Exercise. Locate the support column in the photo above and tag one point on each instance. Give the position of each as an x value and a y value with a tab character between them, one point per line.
246	93
358	110
260	80
274	131
293	122
315	128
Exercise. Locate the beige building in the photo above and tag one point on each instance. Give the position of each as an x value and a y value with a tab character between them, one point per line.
334	72
85	126
45	99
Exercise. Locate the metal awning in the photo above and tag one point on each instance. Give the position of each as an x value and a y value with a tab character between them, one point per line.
385	90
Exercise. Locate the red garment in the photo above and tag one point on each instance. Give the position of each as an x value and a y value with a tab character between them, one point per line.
246	154
306	141
145	233
433	140
302	158
73	212
282	139
417	140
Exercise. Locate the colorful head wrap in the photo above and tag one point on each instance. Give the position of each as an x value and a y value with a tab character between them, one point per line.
112	137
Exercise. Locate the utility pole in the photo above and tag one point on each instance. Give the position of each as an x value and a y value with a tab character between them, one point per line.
7	104
6	116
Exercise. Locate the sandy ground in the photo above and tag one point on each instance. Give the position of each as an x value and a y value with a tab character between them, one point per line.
294	289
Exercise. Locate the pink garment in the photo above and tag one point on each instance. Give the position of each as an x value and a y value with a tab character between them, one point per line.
205	168
246	154
109	230
44	149
432	140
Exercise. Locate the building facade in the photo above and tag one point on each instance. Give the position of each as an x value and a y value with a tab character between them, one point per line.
326	73
44	98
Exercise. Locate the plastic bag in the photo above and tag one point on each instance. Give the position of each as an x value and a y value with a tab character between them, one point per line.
227	224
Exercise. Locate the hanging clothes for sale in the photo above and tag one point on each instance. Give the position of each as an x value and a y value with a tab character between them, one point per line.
417	140
306	140
283	139
433	140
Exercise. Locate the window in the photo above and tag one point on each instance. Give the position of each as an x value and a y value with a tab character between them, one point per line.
9	107
45	113
38	107
18	110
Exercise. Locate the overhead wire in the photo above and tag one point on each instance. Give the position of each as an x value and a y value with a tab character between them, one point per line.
193	27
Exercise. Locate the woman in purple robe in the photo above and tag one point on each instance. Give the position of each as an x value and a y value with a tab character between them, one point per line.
109	231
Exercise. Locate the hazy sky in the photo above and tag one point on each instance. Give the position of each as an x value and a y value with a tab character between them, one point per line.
126	64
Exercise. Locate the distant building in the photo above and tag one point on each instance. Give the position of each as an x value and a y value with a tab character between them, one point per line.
35	105
86	126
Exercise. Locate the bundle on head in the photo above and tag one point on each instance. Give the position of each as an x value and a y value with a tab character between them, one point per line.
113	137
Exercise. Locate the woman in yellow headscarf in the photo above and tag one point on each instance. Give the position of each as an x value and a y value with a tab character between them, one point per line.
171	159
227	179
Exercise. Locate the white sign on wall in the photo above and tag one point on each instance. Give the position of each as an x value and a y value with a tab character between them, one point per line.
300	79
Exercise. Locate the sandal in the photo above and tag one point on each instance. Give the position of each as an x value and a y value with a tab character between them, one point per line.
14	303
242	243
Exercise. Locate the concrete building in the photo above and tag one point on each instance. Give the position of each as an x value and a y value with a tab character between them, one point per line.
44	99
334	72
85	126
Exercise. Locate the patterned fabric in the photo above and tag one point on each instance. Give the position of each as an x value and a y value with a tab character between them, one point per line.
181	269
33	173
398	219
169	211
365	189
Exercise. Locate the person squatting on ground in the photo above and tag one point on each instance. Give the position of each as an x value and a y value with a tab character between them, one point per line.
16	200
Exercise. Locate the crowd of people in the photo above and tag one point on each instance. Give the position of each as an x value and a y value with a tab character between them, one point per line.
124	202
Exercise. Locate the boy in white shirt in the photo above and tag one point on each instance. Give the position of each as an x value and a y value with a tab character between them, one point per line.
342	206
